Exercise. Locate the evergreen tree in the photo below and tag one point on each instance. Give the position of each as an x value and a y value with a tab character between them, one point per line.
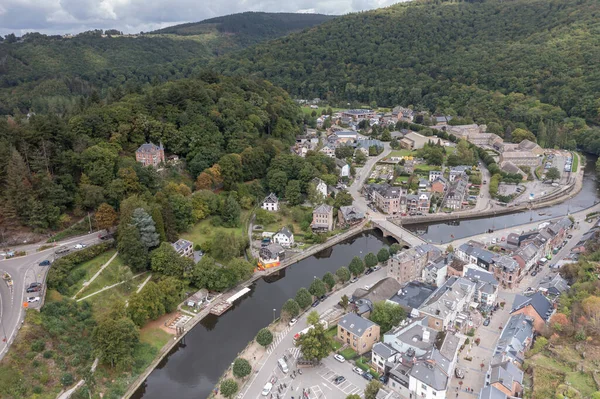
18	190
131	248
146	227
231	211
542	135
159	223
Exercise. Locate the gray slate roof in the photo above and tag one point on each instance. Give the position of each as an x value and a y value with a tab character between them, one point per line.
491	392
539	302
286	232
324	208
383	350
271	199
413	294
356	324
479	253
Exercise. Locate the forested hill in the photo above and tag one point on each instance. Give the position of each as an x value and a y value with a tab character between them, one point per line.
48	73
447	56
243	29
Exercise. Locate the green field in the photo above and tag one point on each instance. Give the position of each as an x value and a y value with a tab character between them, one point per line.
91	267
112	274
575	162
156	337
203	231
102	302
402	153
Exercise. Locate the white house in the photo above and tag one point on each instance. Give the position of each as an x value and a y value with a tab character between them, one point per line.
344	167
321	186
486	288
328	150
271	203
284	237
382	354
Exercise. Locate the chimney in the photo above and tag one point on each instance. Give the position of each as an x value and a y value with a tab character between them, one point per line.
425	335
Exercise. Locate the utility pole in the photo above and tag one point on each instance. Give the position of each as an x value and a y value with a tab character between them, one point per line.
90	221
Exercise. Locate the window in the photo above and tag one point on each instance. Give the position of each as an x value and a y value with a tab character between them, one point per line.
424	387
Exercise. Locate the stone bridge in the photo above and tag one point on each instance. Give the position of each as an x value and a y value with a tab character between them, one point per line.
400	234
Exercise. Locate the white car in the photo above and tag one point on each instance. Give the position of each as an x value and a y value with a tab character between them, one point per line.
367	287
375	268
357	370
32	299
354	280
80	246
339	358
293	321
267	389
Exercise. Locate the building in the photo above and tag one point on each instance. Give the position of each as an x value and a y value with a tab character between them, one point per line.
510	167
435	272
270	203
484	139
490	392
430	376
412	295
507	378
346	136
439	185
415	141
486	286
349	216
344	167
527	256
403	114
358	114
184	248
457	171
520	158
537	306
382	356
408	265
473	252
446	307
417	202
506	270
530	146
322	218
149	154
320	186
358	333
284	237
385	197
328	150
270	256
456	193
553	286
515	339
464	131
435	174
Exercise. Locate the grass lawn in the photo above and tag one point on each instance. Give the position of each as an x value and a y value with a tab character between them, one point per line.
550	372
109	276
102	302
402	153
154	336
426	168
348	353
91	267
363	363
282	220
575	161
203	231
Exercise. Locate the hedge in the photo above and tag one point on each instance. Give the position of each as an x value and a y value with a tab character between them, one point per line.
59	273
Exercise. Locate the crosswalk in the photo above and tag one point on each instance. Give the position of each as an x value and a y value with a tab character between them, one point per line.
278	338
295	352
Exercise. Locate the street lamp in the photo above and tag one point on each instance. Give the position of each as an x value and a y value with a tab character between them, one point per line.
274	310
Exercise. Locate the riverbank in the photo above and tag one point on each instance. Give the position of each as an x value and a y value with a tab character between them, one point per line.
224	296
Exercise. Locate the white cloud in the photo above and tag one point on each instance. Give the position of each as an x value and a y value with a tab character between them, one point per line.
132	16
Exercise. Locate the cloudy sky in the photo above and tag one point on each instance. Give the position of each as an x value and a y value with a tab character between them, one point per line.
132	16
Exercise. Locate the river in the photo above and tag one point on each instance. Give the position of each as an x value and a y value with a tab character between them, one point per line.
193	368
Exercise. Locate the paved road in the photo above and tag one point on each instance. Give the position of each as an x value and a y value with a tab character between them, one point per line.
25	270
320	376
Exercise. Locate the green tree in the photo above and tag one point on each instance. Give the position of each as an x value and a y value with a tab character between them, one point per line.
314	344
343	274
344	151
115	341
131	248
241	269
231	170
313	318
317	288
553	174
343	198
372	388
106	216
264	337
146	226
387	315
542	135
171	290
383	255
344	301
386	135
229	388
166	261
395	248
370	259
303	298
159	222
231	212
357	267
293	192
519	135
290	309
360	157
241	368
329	281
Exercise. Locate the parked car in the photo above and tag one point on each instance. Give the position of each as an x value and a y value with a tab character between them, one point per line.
367	287
486	322
316	303
357	370
267	389
384	379
323	297
36	284
292	322
33	289
369	271
80	246
570	236
32	299
367	376
354	279
45	263
533	273
375	268
339	379
339	358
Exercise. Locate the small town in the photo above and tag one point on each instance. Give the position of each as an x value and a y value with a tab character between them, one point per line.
300	200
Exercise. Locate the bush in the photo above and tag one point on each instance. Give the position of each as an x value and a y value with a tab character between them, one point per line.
38	345
48	354
264	337
241	368
66	379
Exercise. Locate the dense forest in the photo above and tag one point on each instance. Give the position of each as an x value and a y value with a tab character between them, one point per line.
513	62
43	73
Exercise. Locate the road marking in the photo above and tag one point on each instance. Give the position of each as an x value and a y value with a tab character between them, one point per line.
326	386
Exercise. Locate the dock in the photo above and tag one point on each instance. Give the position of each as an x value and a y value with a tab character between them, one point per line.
222	306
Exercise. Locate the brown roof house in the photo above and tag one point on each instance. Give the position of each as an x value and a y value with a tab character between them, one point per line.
358	333
537	306
150	154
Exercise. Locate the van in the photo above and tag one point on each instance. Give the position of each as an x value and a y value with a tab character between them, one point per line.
282	365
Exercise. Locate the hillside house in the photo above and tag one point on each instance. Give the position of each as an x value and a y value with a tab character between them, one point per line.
270	203
149	154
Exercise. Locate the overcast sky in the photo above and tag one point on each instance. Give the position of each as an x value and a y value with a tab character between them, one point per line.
132	16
